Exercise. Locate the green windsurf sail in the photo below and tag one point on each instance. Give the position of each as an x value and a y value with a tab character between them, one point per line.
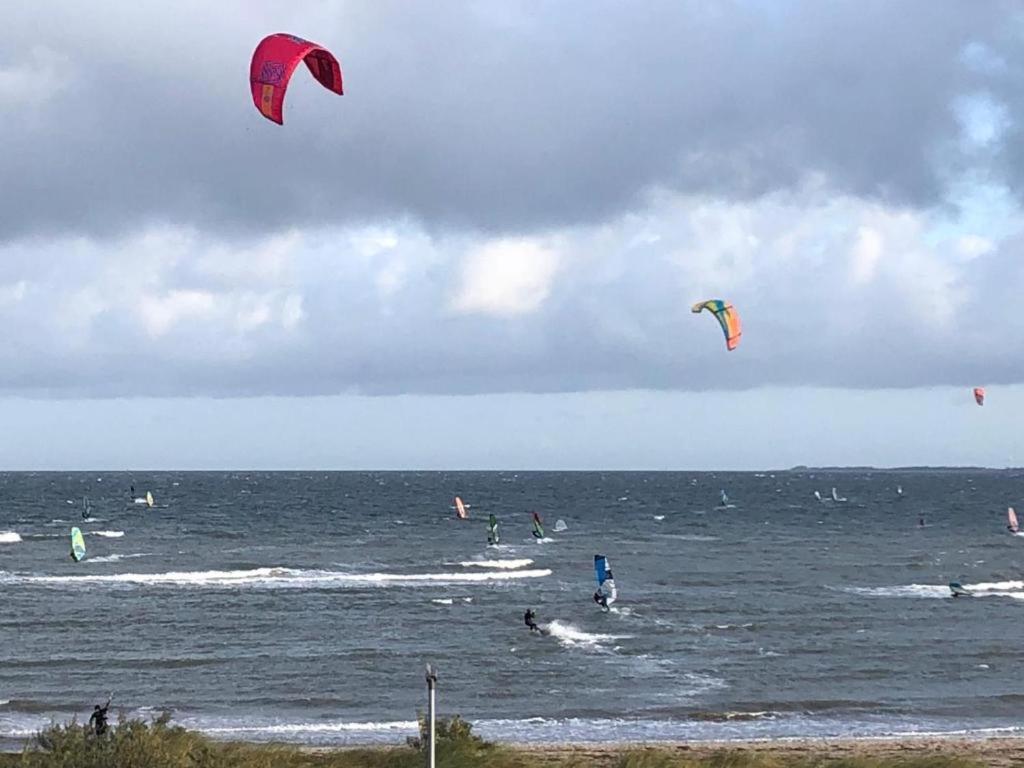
77	545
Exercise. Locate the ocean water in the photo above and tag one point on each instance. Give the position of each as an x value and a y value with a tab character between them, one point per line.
303	606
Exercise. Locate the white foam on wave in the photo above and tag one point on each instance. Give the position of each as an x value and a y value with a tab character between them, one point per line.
1014	589
659	517
572	636
500	564
689	536
9	537
906	590
272	578
106	534
117	558
299	728
443	601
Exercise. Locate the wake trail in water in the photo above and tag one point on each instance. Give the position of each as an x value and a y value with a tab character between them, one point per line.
500	564
271	578
571	636
1013	589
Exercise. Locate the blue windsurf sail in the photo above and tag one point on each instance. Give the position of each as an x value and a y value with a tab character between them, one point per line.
606	592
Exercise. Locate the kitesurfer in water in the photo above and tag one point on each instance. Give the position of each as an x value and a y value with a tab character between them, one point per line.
98	718
530	619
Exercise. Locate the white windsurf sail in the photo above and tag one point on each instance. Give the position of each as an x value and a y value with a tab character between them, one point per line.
836	496
1011	520
561	526
460	509
149	499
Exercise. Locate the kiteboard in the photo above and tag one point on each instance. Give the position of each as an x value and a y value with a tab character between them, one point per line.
725	501
77	545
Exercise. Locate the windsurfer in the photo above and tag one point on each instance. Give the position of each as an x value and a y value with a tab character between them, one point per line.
601	596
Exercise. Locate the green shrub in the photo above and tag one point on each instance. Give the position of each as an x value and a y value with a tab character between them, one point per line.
158	744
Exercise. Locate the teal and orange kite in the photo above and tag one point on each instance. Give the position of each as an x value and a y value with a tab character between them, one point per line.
727	317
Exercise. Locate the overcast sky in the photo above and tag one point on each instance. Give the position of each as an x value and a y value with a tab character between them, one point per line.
484	253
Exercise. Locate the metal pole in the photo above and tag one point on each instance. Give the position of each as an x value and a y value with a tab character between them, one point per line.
431	691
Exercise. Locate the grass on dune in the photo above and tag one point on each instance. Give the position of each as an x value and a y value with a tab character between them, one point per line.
159	744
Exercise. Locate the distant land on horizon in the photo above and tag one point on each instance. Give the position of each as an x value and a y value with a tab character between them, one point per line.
924	468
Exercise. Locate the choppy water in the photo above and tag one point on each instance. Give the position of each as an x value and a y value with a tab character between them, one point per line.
303	606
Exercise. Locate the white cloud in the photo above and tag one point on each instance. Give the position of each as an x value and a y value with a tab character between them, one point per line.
506	277
35	81
866	253
159	314
974	246
983	120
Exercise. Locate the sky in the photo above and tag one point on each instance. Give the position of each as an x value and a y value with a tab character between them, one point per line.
484	254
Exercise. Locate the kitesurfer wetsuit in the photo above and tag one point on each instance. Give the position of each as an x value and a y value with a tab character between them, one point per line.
530	619
98	718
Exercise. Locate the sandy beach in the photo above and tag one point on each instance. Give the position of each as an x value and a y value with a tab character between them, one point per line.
995	752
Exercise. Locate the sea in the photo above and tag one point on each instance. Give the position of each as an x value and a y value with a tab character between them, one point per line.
303	606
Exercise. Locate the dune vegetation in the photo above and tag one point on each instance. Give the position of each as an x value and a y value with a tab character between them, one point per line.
160	744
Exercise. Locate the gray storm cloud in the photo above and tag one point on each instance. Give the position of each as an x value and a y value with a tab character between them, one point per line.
493	117
510	197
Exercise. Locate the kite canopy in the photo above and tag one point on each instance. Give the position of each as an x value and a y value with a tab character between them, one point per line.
273	62
979	395
727	317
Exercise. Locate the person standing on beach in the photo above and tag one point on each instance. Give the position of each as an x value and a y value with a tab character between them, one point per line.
98	718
